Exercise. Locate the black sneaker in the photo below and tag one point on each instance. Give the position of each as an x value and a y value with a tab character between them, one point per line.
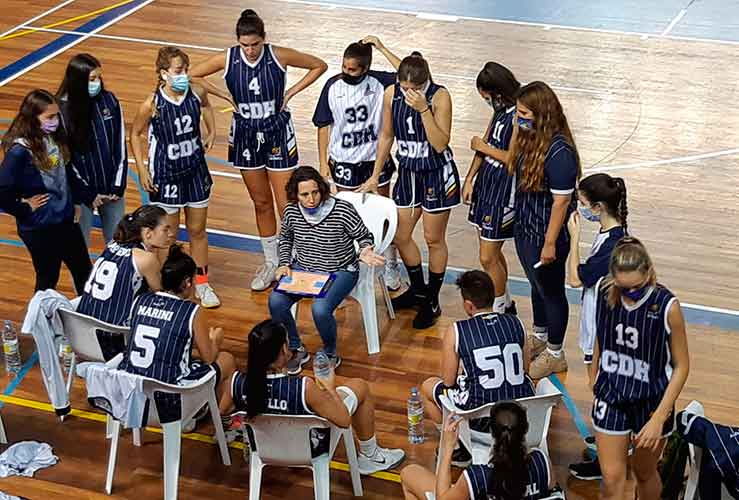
512	309
335	362
407	300
460	457
295	364
427	316
586	471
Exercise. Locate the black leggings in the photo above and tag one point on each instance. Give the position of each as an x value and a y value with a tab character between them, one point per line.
50	246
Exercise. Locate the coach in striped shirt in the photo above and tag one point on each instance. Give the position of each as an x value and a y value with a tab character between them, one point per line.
318	235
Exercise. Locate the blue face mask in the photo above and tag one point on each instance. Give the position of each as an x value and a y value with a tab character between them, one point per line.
180	83
525	123
587	214
636	295
312	211
94	87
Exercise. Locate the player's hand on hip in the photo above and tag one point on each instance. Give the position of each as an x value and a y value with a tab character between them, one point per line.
36	201
369	257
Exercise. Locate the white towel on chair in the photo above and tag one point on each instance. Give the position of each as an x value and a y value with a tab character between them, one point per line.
114	391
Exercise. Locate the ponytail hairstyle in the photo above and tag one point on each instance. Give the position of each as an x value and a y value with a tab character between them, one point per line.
609	191
177	269
628	255
496	79
266	341
530	148
130	226
250	23
26	126
78	108
509	459
361	52
414	69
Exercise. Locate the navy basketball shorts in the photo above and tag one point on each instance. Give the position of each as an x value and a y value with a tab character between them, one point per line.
433	190
627	417
353	175
249	149
457	395
191	191
491	208
168	405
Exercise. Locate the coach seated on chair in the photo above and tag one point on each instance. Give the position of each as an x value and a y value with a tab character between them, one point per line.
318	235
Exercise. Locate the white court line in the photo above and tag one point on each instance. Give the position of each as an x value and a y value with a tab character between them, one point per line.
82	38
437	17
546	26
674	21
36	18
669	161
555	87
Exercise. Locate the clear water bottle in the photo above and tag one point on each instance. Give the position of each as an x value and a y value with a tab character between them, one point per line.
65	354
321	365
415	417
11	349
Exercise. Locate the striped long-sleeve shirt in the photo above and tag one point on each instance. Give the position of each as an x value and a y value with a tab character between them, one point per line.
327	246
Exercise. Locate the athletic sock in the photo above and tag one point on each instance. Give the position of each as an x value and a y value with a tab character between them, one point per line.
555	352
415	275
499	304
270	247
508	299
541	333
435	282
369	447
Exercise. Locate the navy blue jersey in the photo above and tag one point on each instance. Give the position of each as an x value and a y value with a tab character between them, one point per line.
634	342
161	337
720	462
104	162
596	265
113	285
490	349
175	147
414	149
501	130
533	208
536	487
258	89
285	394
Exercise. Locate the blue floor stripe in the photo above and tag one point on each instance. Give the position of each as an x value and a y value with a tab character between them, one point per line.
20	375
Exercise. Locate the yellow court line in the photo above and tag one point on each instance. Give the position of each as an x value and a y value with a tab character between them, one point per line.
193	436
67	21
224	110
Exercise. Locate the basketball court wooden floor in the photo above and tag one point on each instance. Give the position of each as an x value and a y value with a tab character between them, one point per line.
651	110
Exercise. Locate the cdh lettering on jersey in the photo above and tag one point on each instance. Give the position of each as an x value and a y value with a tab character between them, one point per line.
152	312
413	149
257	110
182	149
625	365
358	137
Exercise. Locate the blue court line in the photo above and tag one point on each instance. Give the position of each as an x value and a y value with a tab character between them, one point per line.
60	44
582	427
20	375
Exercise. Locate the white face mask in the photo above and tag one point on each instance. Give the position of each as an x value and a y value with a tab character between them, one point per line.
423	89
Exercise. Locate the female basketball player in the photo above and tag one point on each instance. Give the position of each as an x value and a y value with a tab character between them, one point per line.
513	473
262	140
178	175
418	114
349	119
547	167
94	121
266	388
491	199
603	200
641	359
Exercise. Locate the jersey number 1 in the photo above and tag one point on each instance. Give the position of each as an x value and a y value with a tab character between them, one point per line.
409	121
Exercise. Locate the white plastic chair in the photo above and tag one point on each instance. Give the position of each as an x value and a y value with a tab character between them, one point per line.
376	213
3	436
193	398
538	412
284	441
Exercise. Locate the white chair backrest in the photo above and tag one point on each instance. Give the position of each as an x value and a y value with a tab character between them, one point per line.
285	440
376	211
192	396
81	332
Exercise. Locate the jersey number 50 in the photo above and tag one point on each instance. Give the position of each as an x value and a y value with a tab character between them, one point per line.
509	369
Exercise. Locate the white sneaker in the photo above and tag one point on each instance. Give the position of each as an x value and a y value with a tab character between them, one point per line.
393	280
264	277
207	296
383	459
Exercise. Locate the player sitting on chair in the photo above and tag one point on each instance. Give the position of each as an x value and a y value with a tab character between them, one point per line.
491	351
266	387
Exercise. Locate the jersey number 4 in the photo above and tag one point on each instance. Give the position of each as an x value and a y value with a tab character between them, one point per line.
254	86
144	347
101	282
509	369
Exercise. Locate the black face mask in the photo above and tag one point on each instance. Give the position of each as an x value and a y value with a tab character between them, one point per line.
353	80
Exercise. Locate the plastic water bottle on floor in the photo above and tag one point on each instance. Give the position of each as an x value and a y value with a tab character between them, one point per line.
415	417
321	366
11	349
65	354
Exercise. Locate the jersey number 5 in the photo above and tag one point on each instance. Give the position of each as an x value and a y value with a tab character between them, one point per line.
509	369
142	353
101	282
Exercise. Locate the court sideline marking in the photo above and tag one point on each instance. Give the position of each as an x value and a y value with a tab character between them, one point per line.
36	18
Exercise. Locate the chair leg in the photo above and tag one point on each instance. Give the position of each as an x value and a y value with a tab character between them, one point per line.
172	442
137	436
321	478
366	298
115	428
70	375
3	436
351	457
386	296
255	477
220	435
